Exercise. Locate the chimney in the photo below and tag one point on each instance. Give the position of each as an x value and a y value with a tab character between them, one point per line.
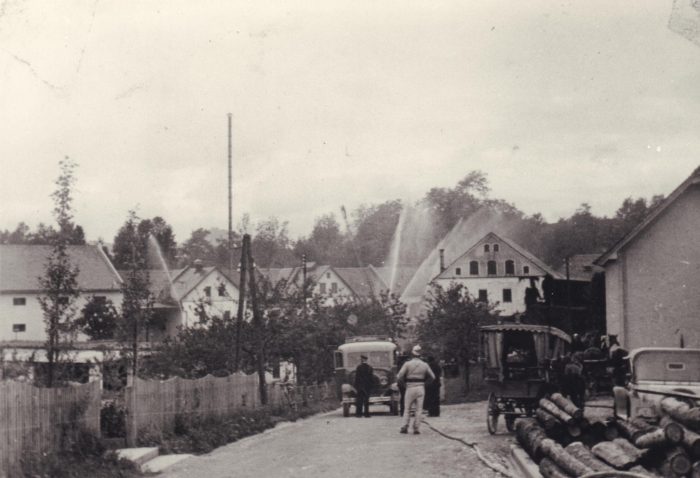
442	260
198	266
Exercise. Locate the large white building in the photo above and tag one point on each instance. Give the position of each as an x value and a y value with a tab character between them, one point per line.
496	270
21	317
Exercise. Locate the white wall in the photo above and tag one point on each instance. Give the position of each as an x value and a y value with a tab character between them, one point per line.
217	305
32	316
494	287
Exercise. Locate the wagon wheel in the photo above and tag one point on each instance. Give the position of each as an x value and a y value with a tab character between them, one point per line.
492	414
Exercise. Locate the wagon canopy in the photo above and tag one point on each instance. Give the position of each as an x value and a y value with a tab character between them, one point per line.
549	341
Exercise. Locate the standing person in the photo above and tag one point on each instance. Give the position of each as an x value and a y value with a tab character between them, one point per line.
364	380
402	359
415	372
432	390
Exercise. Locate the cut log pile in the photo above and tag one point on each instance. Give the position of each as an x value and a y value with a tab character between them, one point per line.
569	442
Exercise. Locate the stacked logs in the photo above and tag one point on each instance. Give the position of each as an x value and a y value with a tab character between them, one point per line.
566	442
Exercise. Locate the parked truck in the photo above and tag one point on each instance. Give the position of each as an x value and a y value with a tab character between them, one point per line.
381	353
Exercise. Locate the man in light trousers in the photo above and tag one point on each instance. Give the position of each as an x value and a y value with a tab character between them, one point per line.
414	373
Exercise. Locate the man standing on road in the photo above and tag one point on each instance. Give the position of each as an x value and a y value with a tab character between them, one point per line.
414	373
364	380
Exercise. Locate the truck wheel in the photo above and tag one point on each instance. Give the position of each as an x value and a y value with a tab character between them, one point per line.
346	409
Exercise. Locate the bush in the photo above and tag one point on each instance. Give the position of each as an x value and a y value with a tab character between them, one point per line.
113	421
82	457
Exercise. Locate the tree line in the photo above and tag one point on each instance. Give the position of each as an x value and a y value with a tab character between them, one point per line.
365	236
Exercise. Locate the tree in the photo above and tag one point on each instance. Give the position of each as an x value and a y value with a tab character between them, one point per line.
449	205
137	300
98	318
59	283
375	226
197	247
272	245
326	244
138	234
451	325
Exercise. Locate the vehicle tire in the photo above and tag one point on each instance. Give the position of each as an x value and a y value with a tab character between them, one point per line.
492	414
346	409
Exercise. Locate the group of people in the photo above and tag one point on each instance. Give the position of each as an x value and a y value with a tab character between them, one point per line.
419	385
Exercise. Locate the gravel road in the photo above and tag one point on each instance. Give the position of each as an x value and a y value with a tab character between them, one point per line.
329	445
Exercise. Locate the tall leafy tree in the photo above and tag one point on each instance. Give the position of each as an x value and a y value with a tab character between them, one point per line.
451	325
98	318
59	283
138	234
375	226
137	300
197	247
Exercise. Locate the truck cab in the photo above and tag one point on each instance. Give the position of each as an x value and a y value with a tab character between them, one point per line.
656	373
381	354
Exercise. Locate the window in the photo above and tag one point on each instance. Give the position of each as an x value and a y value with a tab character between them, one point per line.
495	248
207	291
486	248
491	268
221	290
19	301
483	295
322	287
328	275
100	299
334	287
19	328
474	268
507	295
458	271
63	300
526	269
510	268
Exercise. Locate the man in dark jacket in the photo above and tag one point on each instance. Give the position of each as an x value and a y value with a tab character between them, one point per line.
364	381
432	389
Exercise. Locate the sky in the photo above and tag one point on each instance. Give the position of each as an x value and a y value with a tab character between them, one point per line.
340	103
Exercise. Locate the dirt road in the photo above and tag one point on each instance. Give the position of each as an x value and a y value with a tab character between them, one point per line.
329	445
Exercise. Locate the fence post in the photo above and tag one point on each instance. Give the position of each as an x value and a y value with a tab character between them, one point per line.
131	420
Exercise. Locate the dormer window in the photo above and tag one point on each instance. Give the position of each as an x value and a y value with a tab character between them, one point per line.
510	268
495	248
526	269
486	248
458	271
207	291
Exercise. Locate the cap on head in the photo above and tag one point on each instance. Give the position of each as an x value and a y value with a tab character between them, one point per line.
363	357
416	351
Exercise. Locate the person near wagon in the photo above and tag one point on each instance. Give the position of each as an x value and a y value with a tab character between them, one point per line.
364	380
432	390
414	373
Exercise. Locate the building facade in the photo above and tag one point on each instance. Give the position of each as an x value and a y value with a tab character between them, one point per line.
652	275
498	271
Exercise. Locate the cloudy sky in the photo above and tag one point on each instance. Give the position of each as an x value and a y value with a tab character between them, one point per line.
339	103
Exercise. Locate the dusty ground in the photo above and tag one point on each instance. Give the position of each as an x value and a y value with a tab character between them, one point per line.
329	445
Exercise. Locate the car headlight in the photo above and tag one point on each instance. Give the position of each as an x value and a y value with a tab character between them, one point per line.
383	381
347	388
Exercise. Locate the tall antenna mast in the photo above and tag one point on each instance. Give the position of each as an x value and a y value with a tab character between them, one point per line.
230	202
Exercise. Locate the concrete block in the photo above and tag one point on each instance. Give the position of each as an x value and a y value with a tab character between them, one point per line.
137	456
162	462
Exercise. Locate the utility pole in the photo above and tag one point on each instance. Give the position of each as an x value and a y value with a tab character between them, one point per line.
303	281
230	199
258	327
241	299
568	293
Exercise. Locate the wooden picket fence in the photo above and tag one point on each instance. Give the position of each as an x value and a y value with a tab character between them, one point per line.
153	405
37	420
